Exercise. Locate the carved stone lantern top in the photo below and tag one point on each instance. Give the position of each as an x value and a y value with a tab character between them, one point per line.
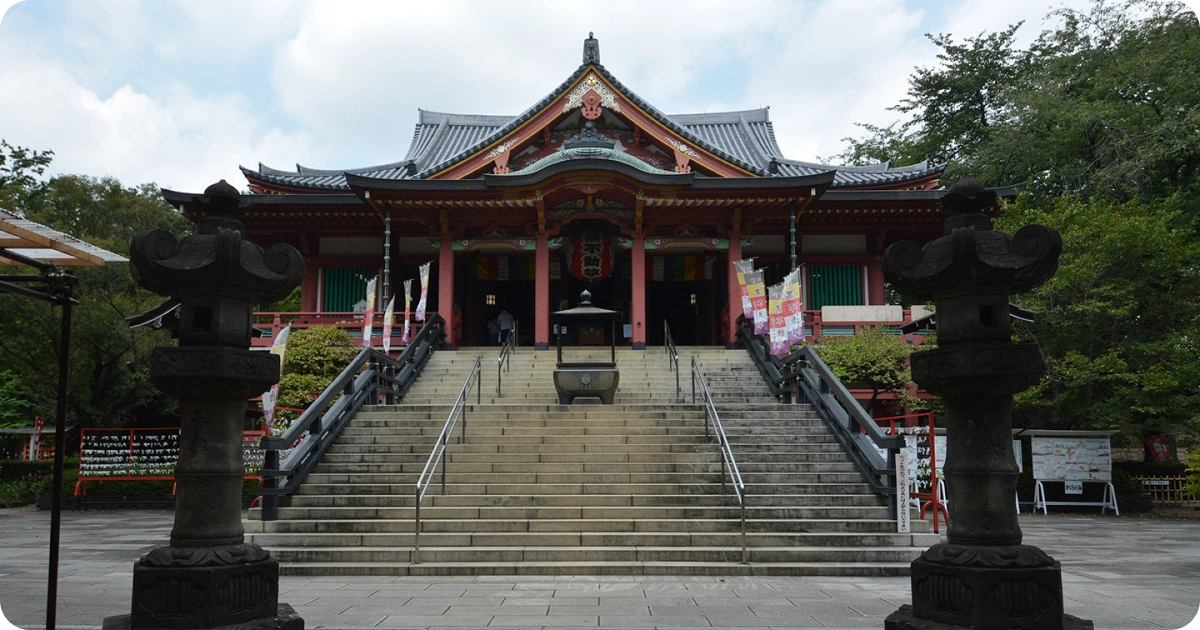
215	274
971	255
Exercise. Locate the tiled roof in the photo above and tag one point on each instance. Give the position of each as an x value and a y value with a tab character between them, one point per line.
743	138
862	176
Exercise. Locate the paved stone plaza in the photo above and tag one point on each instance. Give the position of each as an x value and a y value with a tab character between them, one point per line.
1126	572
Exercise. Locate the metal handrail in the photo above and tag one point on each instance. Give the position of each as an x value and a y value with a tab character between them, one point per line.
288	459
439	448
728	462
672	355
504	362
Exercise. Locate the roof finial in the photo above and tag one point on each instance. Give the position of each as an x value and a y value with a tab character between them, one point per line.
591	50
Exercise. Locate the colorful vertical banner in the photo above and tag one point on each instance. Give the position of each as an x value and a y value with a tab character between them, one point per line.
758	301
407	303
777	322
743	267
424	291
792	307
271	396
388	315
369	314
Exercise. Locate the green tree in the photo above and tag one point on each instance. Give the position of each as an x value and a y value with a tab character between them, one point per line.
875	356
16	406
955	105
1107	103
109	382
19	171
1119	323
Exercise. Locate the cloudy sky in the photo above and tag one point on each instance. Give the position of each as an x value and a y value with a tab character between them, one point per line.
181	93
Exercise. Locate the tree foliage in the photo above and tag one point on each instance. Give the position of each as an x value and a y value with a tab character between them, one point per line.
109	382
1107	103
1099	119
19	171
1119	323
16	406
875	356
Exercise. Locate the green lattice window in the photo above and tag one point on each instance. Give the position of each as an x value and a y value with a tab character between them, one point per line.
835	285
344	287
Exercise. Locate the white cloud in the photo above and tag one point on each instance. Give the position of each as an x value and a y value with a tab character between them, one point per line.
181	93
180	141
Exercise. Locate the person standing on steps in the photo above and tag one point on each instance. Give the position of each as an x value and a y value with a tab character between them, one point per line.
505	320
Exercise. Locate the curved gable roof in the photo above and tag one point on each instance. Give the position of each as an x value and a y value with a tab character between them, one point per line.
744	139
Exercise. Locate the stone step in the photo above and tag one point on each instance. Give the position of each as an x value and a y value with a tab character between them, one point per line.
570	518
599	550
637	568
335	547
577	488
635	488
801	506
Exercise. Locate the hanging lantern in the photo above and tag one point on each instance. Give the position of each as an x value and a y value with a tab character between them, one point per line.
591	257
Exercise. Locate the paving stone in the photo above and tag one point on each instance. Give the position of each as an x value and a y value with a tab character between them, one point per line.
1159	592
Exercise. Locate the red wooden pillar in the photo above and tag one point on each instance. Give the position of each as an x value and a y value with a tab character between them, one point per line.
446	284
541	301
638	258
308	288
735	290
875	293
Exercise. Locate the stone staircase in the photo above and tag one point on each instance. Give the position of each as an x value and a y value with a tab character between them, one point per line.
633	488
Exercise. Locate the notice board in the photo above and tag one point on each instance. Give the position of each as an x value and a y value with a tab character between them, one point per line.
145	453
1064	458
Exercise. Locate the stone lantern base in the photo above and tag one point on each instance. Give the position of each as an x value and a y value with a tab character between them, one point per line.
985	588
228	587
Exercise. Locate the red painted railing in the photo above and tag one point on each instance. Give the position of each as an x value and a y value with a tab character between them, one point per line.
269	324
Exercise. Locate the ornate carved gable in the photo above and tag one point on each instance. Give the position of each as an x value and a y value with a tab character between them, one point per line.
592	98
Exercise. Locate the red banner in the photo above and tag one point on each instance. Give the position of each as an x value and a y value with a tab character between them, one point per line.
590	256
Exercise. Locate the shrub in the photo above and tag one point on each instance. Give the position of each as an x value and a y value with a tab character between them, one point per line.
875	357
320	351
315	356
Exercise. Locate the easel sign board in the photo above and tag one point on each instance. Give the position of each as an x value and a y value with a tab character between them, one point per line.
1064	458
1072	458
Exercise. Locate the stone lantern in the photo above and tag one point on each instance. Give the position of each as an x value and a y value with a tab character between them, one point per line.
208	576
982	577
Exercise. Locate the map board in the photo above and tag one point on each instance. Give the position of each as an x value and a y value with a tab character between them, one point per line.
1071	458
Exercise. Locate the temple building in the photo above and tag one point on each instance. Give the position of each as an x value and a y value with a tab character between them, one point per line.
591	187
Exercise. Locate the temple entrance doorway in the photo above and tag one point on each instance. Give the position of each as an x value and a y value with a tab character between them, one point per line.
495	283
686	306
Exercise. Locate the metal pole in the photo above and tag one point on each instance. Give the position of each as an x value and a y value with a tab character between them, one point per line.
792	216
417	530
745	552
60	443
387	256
694	380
